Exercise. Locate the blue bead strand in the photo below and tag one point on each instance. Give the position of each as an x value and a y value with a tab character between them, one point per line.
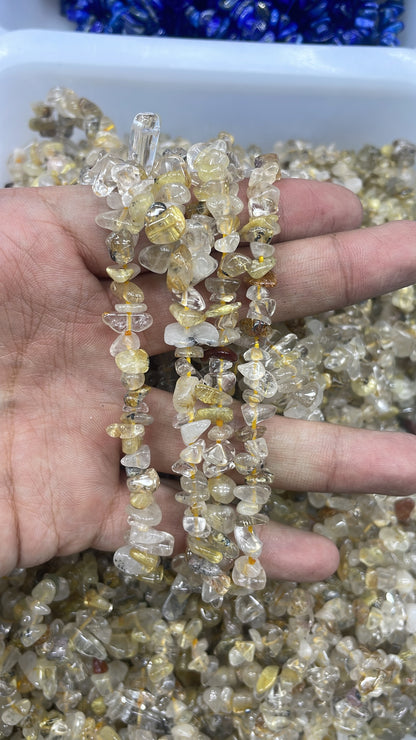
357	22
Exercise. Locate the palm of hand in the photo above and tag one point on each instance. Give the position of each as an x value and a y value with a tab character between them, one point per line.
60	487
59	471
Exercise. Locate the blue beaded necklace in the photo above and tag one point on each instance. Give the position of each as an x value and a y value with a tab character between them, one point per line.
289	21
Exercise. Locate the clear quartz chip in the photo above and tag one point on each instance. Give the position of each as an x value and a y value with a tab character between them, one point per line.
139	459
120	322
179	336
249	573
151	516
248	541
123	342
126	563
143	141
152	540
255	413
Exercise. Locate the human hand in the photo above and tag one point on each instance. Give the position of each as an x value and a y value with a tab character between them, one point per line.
60	484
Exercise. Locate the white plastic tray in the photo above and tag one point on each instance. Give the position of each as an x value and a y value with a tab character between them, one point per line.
259	92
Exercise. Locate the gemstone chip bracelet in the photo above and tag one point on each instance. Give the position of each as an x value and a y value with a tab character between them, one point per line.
187	204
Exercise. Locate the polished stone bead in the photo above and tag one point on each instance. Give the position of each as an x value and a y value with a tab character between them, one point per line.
144	137
249	573
209	395
127	322
128	292
261	229
126	341
214	413
180	269
140	459
186	316
121	246
192	431
123	274
132	361
164	225
227	244
156	257
146	482
218	310
125	430
152	541
179	336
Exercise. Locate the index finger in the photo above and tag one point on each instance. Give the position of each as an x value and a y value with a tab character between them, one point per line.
307	208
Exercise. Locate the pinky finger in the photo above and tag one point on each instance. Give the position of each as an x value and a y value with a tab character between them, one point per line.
295	555
288	553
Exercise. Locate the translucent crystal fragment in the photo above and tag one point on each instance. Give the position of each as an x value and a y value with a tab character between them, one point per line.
252	370
256	494
221	432
180	336
195	525
121	246
191	298
218	310
140	459
152	541
123	274
192	431
184	394
257	268
215	588
84	642
132	361
32	634
205	550
260	229
235	264
186	316
193	453
261	250
247	541
257	448
180	269
264	202
156	257
227	244
256	413
223	289
126	341
222	489
203	266
130	307
150	516
224	205
16	713
242	652
124	561
222	518
128	322
128	292
140	500
164	224
220	454
125	430
214	413
209	395
144	137
249	573
211	163
138	199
